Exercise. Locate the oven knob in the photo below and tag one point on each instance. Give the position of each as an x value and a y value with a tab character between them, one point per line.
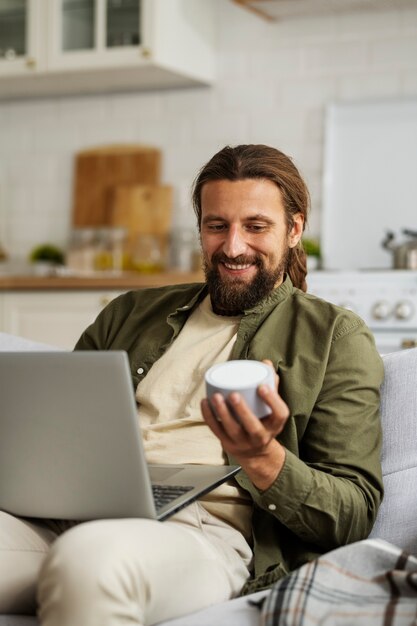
381	310
408	343
404	310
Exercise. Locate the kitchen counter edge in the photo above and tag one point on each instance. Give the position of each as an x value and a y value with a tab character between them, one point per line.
127	280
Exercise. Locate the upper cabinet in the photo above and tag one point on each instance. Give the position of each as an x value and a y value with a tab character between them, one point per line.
52	47
21	46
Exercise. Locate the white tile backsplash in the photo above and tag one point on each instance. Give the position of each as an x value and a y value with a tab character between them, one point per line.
408	20
356	87
309	91
234	65
408	81
334	57
283	62
130	106
15	139
243	97
274	82
394	52
302	30
366	25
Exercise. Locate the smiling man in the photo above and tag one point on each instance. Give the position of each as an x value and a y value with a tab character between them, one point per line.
310	478
245	241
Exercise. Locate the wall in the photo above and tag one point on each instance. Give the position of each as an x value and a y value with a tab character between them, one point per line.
274	82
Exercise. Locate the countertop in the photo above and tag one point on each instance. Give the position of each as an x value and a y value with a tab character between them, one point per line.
98	280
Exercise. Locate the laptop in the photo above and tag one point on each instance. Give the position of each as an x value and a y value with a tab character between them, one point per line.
71	447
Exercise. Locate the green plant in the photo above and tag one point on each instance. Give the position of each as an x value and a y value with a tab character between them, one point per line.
47	252
311	247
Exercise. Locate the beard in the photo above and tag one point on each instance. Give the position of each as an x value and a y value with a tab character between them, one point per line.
233	296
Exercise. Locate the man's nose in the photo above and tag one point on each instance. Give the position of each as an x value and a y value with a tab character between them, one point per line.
234	243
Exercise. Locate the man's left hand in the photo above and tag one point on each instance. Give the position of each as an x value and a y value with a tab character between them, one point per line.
250	440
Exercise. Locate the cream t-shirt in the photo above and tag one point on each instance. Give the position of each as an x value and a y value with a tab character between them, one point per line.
169	397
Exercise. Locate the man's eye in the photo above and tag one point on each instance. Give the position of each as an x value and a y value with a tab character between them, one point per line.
256	228
216	227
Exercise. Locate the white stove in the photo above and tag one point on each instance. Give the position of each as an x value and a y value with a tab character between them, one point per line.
385	299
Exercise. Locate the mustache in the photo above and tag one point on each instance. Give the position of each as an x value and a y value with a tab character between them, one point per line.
241	259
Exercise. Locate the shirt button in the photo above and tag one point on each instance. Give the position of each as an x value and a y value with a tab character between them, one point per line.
140	370
272	507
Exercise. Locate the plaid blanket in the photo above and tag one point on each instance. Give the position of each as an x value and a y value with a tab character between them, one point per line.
368	583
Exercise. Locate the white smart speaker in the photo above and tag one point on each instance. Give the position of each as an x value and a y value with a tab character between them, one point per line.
244	377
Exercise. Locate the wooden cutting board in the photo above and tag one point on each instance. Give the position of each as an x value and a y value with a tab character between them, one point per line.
142	210
98	170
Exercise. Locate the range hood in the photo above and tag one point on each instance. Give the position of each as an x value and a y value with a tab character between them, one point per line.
277	10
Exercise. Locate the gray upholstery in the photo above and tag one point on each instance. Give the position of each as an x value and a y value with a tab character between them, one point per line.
11	343
238	612
397	518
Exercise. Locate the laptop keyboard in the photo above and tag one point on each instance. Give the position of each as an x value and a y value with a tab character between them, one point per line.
164	494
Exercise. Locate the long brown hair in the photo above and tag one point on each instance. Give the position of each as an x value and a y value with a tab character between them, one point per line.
259	161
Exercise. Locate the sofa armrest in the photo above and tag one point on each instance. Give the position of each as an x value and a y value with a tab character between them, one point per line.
397	518
13	343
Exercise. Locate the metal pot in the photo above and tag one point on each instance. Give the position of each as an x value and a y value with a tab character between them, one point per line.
404	254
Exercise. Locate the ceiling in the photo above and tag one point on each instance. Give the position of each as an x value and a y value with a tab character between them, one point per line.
277	10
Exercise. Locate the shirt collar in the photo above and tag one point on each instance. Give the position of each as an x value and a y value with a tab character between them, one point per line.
276	296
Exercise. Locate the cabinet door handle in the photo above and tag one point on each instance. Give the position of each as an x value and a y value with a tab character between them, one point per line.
31	63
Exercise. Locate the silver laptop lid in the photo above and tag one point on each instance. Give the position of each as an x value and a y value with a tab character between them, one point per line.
69	437
70	442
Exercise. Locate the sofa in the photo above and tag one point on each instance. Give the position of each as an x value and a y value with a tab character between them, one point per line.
397	517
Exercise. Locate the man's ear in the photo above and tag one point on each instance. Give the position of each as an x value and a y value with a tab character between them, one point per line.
296	230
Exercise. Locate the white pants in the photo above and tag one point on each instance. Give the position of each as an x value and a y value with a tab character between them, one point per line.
114	572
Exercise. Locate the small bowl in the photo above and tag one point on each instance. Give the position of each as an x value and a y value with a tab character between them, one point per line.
244	377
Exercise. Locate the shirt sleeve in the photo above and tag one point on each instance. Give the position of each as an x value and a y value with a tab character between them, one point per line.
96	336
330	494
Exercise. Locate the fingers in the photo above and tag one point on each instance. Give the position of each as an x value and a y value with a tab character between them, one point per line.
239	430
249	440
277	405
211	419
223	423
272	425
254	428
233	420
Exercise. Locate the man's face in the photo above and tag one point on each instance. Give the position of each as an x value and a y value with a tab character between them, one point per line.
245	241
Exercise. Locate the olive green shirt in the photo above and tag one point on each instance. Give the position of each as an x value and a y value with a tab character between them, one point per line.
330	487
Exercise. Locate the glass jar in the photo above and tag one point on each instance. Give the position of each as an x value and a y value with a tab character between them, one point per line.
147	255
111	254
185	250
82	250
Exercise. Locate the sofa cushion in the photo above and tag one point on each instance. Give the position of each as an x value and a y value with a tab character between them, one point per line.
238	612
397	517
13	343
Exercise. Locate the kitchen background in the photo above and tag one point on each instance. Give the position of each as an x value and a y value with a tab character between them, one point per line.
274	80
273	83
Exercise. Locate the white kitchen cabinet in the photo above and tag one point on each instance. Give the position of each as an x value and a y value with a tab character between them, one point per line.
89	46
57	318
22	51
